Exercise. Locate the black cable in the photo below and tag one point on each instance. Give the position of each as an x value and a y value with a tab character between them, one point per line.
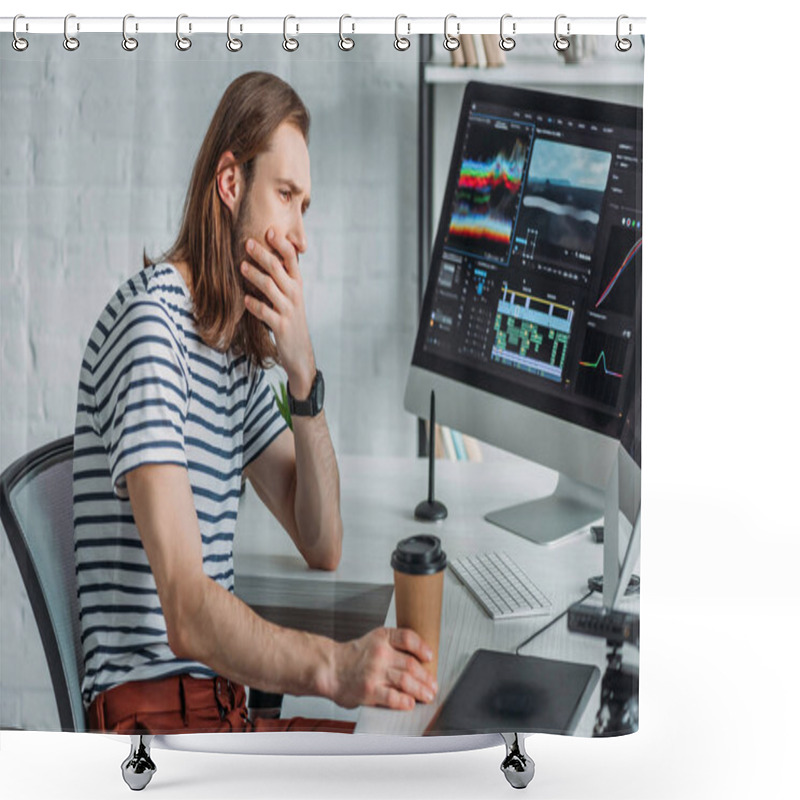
552	622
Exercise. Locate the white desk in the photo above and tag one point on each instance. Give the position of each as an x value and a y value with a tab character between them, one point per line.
378	498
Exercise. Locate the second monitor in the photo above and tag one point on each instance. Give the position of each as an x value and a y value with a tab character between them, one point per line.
530	326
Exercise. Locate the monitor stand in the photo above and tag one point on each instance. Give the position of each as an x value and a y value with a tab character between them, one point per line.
572	506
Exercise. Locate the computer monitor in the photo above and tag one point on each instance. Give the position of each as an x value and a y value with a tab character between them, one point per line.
529	333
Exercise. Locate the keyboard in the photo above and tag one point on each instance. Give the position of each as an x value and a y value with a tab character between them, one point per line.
500	586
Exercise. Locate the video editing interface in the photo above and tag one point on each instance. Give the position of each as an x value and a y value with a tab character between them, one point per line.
533	286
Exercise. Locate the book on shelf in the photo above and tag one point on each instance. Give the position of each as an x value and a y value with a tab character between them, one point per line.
457	56
449	447
470	52
495	55
473	448
458	445
453	445
478	50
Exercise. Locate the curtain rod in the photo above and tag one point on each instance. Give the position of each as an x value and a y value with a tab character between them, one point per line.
74	25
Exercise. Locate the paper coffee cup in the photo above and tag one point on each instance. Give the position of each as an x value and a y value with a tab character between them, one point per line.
418	564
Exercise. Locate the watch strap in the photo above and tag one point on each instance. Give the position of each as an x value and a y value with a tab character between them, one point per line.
309	407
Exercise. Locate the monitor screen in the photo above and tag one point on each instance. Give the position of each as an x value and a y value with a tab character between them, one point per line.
534	289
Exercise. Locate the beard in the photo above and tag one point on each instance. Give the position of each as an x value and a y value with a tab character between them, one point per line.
242	231
249	328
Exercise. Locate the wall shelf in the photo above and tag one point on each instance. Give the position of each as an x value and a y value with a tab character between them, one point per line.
554	72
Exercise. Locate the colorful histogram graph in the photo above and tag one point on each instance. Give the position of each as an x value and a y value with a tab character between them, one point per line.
486	197
483	176
481	226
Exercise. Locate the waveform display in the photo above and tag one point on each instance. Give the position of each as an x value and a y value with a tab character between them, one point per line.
487	193
621	266
602	367
531	334
628	258
601	364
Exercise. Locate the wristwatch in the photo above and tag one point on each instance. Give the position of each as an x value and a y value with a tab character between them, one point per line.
312	405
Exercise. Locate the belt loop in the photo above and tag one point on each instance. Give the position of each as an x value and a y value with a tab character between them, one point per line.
182	696
225	694
100	712
218	696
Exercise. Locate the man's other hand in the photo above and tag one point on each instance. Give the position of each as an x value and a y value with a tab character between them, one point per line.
383	668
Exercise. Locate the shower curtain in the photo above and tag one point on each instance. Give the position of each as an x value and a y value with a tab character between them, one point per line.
97	155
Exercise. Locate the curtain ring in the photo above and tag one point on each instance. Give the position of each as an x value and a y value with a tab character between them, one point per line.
623	45
289	44
451	43
129	43
183	43
233	44
560	42
345	42
507	42
18	43
400	42
70	42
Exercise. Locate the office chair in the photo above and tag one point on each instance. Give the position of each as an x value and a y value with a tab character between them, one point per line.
36	510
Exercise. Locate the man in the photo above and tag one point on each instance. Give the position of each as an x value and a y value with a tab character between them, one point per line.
173	408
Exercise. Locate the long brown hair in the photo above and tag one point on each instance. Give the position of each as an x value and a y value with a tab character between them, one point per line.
250	111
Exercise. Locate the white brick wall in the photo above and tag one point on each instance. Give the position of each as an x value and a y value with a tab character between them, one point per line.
96	148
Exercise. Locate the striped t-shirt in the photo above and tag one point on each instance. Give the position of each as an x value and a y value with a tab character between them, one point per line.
151	391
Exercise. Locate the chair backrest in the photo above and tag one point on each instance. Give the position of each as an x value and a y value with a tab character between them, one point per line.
36	509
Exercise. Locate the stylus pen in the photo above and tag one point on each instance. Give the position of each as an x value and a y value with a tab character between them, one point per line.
431	445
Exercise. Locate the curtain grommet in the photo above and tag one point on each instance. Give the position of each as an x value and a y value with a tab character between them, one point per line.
70	43
560	43
233	44
507	43
129	43
183	43
18	43
289	44
622	44
345	42
401	43
451	43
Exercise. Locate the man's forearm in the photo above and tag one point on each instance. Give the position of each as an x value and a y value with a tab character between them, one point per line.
221	631
316	500
381	668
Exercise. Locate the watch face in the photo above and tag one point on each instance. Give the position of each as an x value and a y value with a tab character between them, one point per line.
319	391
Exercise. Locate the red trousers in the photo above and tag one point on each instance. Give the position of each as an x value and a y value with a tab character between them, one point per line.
182	704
